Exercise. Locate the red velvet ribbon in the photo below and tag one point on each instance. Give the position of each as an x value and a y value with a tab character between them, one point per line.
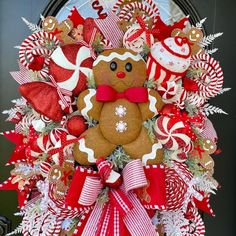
106	93
143	29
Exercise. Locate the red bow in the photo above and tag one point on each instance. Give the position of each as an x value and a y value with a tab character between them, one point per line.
124	210
22	152
142	30
106	93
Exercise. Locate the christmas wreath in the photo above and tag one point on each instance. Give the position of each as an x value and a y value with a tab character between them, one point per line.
112	132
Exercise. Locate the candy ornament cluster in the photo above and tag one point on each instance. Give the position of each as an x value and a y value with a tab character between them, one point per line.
112	132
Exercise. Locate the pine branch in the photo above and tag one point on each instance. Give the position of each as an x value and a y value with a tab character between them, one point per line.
207	184
33	27
42	17
119	158
149	125
200	23
17	47
18	230
91	82
211	51
210	110
224	90
207	40
103	196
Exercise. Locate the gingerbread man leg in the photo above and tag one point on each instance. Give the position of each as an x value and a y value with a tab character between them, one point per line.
143	148
92	146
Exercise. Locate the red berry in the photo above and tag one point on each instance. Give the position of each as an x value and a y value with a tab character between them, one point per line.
76	125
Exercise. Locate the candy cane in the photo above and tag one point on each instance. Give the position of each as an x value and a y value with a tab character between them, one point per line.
117	5
34	46
126	12
150	2
196	225
211	79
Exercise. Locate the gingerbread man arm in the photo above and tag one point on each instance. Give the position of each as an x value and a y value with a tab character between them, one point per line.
88	106
151	108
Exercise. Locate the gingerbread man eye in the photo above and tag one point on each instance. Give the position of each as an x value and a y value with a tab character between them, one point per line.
128	67
193	32
46	24
50	21
113	66
197	35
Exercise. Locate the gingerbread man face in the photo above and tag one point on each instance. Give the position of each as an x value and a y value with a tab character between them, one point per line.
50	24
202	155
77	33
120	69
195	35
62	30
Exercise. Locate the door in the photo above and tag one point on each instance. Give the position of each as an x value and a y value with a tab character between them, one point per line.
220	17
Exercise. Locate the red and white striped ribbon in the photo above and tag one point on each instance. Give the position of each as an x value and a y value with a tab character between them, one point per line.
134	176
61	92
110	29
90	191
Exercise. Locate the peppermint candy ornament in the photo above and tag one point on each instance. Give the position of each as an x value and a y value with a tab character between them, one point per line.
169	59
70	65
210	80
176	187
171	133
136	37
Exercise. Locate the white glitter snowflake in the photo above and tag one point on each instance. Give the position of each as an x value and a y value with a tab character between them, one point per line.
121	126
120	111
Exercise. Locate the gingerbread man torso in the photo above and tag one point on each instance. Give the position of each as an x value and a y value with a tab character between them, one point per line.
120	105
120	121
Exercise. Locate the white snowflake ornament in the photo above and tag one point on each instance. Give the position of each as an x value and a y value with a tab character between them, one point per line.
121	126
120	111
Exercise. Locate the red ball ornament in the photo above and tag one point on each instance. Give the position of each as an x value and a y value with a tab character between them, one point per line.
76	125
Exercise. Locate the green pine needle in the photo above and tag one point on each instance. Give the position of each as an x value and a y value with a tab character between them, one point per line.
119	158
103	197
91	82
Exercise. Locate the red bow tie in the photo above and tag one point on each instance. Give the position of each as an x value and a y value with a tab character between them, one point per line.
106	93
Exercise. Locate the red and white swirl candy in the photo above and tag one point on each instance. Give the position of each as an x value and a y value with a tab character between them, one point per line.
176	186
171	133
135	38
33	50
209	82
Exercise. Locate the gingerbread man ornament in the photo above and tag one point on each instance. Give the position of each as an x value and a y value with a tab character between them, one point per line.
51	25
194	35
203	155
120	104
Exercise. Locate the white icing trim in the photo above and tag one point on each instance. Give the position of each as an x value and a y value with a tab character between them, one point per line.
121	57
88	104
152	154
88	151
152	103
